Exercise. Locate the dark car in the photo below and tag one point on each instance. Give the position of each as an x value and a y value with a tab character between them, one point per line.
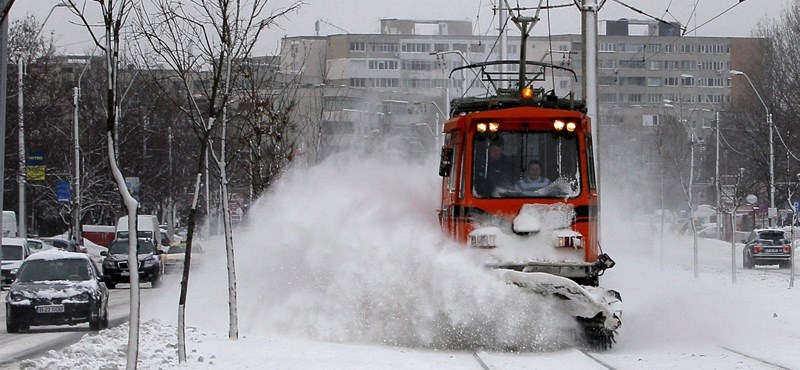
115	264
55	287
767	247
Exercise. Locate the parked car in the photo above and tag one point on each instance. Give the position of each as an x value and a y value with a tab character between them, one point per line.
115	264
176	254
766	247
15	250
36	245
65	244
55	287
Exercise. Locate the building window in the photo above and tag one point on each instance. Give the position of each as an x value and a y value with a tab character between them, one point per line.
440	47
607	47
654	81
672	65
418	65
382	64
632	64
654	98
654	65
649	120
607	80
606	64
358	82
671	81
607	98
634	98
384	82
652	48
382	47
460	47
358	46
416	48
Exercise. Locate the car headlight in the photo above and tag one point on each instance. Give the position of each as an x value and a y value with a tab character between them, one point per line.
81	298
16	297
150	262
108	264
14	272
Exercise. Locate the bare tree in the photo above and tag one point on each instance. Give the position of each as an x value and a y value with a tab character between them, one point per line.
201	41
114	15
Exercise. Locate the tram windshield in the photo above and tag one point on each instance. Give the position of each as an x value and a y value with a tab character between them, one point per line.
525	164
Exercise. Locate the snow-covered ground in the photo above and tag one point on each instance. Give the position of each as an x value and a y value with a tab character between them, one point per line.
343	266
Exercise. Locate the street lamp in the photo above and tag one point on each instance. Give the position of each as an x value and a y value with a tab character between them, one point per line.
22	176
466	62
771	150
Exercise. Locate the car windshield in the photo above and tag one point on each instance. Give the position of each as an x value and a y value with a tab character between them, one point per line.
58	269
34	245
121	247
771	238
176	249
12	252
140	233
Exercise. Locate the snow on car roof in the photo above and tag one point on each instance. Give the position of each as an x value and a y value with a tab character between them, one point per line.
14	241
56	254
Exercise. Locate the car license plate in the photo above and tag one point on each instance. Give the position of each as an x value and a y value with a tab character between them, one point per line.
55	308
125	273
773	250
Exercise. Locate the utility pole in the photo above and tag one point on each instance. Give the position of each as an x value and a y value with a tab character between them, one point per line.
21	178
4	6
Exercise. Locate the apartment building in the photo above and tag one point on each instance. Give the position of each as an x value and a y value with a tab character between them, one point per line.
647	73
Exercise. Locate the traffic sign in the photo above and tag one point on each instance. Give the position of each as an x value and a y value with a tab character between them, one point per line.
796	206
63	191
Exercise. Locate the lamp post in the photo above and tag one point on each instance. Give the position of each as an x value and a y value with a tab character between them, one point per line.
466	62
22	176
772	209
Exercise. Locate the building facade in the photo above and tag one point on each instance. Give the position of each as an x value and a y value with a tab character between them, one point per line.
648	76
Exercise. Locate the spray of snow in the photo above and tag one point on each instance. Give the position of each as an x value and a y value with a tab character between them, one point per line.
351	250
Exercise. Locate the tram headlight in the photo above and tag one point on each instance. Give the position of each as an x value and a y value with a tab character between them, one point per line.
482	241
558	125
481	127
571	126
493	126
568	239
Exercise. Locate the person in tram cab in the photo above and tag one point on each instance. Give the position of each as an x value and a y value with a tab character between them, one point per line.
495	171
533	179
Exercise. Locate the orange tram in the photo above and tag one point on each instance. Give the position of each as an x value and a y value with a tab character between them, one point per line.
519	182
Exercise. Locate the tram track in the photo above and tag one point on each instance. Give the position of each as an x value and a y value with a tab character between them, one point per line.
755	358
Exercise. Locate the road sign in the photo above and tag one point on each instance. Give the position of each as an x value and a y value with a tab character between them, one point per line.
796	205
63	191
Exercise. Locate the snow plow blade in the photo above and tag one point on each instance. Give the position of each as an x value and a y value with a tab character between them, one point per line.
596	310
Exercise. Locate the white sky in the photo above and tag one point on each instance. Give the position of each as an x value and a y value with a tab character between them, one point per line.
362	16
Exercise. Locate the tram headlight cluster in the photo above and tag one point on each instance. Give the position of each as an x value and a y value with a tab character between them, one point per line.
561	125
490	126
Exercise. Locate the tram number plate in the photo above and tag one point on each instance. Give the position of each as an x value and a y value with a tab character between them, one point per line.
56	308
